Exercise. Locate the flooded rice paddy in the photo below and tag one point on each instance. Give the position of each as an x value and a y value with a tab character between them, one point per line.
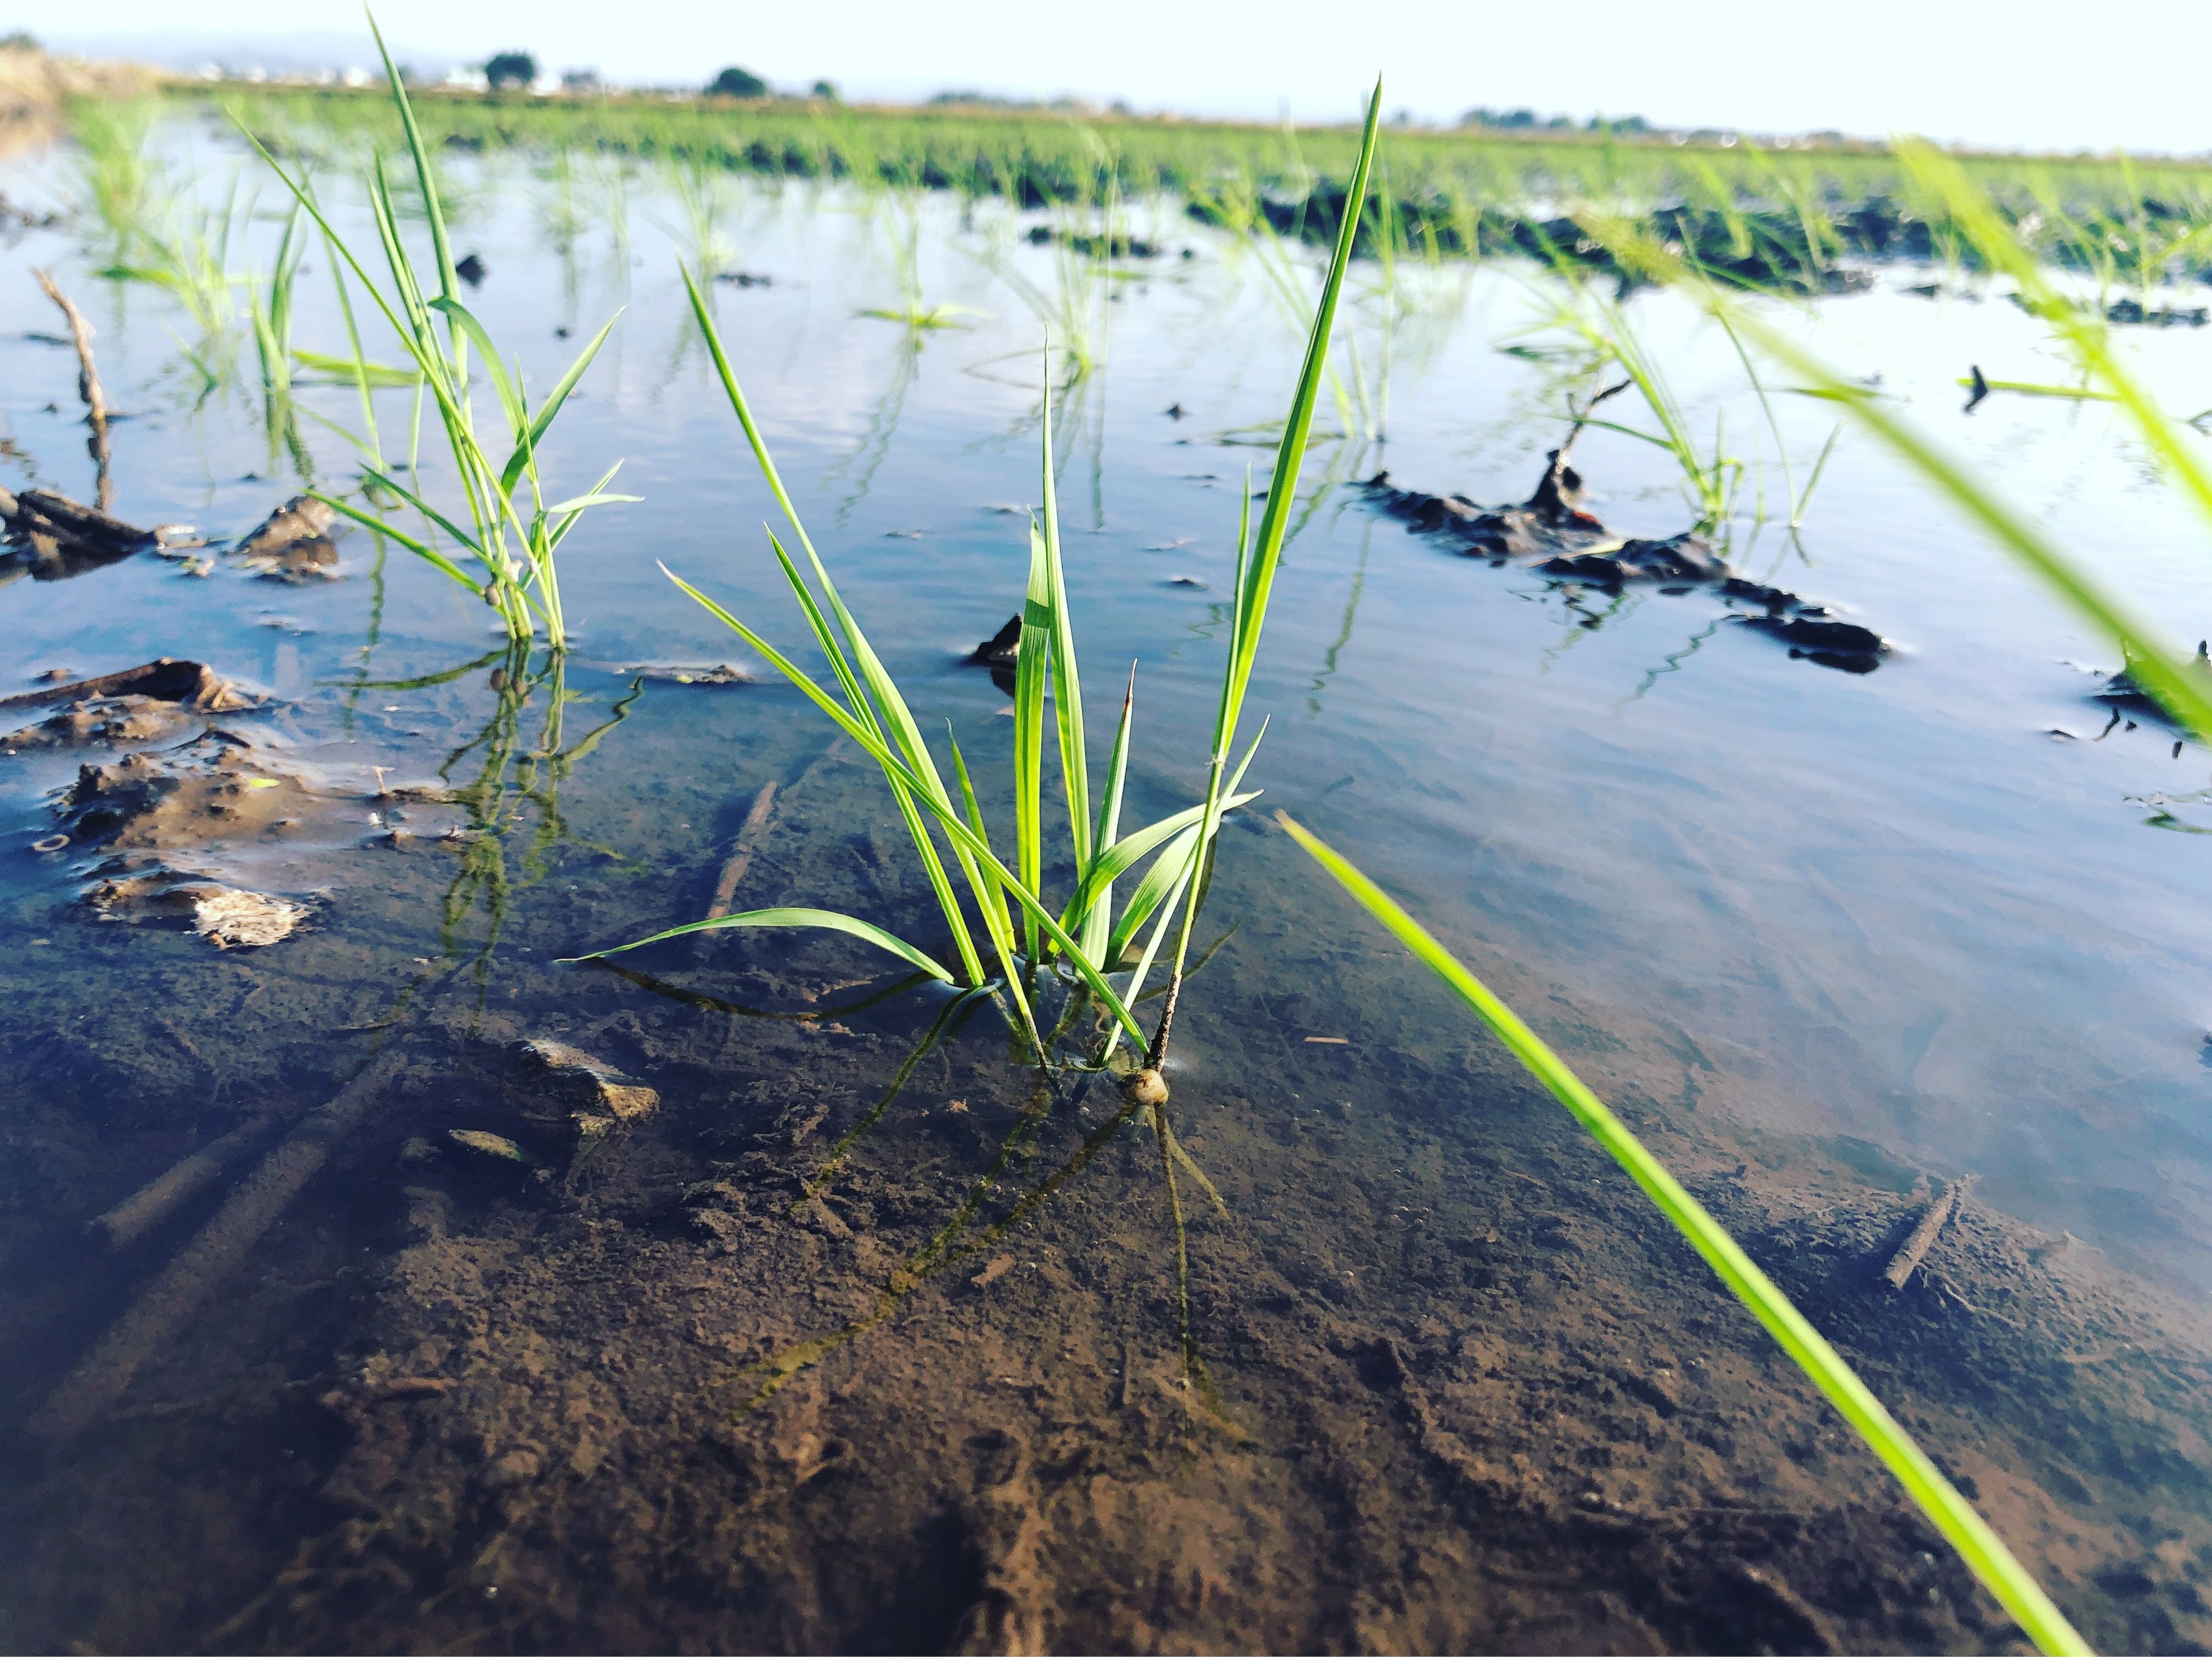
824	1344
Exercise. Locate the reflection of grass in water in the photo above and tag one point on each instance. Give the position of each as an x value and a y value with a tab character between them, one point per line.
1673	663
870	452
1329	656
514	777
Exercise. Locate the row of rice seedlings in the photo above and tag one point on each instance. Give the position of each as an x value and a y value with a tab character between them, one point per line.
1982	1549
1806	197
513	533
1088	234
706	200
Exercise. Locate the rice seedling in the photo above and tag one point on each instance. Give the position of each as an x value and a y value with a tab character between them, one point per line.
706	200
116	182
1711	476
513	533
1983	1551
1082	941
2171	679
186	253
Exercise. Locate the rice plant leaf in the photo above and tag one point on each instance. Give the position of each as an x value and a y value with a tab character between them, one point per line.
510	396
428	554
829	919
384	480
1126	853
433	210
1067	686
1167	872
1097	921
1032	671
1966	1530
995	916
931	783
581	501
346	369
956	829
535	433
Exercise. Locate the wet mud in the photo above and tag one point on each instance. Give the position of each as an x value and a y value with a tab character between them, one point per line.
813	1348
1550	535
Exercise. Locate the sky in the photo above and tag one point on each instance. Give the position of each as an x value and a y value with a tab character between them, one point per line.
2034	75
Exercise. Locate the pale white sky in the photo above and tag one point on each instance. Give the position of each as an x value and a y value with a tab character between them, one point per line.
2037	74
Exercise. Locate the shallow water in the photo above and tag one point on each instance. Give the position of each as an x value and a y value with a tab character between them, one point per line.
1881	923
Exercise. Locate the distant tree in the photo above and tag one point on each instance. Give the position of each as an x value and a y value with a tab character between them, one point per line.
511	70
827	92
19	41
735	83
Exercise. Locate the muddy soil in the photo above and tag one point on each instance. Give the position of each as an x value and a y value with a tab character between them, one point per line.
721	1376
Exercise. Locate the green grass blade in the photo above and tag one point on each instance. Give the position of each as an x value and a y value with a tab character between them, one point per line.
536	433
349	370
1067	685
421	549
1098	920
1126	853
995	916
957	830
1032	668
1169	871
1966	1530
434	210
510	395
910	740
1282	485
829	920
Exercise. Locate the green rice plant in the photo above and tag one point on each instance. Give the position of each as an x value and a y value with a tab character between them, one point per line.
1983	1551
1711	477
1083	939
115	180
2178	685
512	533
706	199
186	252
272	310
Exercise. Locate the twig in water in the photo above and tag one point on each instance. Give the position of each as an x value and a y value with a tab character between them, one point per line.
87	374
1551	495
749	839
754	831
1907	1259
169	1301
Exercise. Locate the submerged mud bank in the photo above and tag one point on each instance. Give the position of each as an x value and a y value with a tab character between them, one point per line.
1550	535
796	1353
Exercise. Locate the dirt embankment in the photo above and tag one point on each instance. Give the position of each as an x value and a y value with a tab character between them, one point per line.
34	86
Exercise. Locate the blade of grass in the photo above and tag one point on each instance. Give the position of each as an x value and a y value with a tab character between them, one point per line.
1965	1529
827	919
1256	570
